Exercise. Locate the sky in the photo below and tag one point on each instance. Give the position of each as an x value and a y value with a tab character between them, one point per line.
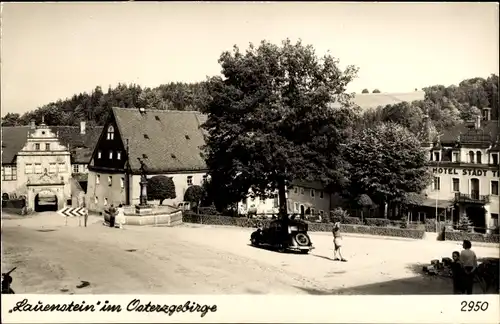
50	51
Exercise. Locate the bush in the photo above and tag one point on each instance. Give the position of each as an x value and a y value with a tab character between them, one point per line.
338	215
430	225
210	210
313	227
161	188
378	222
473	237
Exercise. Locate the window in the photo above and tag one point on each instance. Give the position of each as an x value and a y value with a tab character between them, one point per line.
97	179
437	183
471	157
75	168
110	181
478	157
321	194
99	154
321	213
52	167
105	201
296	207
111	133
111	155
96	200
122	183
9	173
61	167
312	211
494	220
301	191
37	147
276	202
119	155
295	190
436	156
28	169
312	193
47	146
494	188
205	178
456	157
38	168
456	185
190	180
494	159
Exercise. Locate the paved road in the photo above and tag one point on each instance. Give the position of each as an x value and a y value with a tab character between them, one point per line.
193	259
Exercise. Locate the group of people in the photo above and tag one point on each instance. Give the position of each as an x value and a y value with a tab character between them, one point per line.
116	217
463	268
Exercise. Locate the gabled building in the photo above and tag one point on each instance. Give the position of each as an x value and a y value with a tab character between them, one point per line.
41	162
167	142
465	165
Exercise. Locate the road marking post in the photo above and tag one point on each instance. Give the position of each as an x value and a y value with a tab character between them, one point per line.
72	212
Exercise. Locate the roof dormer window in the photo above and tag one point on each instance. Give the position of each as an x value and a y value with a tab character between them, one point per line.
111	132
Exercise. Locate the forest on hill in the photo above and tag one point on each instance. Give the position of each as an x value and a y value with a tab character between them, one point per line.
446	105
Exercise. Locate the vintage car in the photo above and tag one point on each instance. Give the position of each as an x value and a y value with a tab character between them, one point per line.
283	235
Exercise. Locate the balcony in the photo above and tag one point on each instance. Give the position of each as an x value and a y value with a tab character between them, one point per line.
473	198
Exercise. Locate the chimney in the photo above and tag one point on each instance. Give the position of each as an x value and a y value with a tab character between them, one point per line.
32	124
82	127
478	122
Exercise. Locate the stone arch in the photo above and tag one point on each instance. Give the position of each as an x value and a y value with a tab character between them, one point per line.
46	199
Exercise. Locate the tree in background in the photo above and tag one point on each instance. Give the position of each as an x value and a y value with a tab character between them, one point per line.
376	91
195	195
270	120
464	223
365	91
386	162
161	188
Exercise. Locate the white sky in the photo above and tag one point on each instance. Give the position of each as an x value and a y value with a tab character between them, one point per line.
54	50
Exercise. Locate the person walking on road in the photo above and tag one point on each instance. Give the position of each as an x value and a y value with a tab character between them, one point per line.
337	243
468	259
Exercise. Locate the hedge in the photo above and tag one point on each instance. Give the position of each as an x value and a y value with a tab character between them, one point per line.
313	227
473	237
377	222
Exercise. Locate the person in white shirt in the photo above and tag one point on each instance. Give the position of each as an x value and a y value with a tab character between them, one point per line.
120	218
468	259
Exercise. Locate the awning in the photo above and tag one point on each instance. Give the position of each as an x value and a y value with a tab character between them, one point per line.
440	203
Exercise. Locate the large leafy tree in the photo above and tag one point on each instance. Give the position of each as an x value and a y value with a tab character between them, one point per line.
270	119
161	187
387	163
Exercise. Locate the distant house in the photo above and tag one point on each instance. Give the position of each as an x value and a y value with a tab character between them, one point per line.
168	142
41	162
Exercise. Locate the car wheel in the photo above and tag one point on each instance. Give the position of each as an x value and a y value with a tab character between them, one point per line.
253	241
281	248
302	239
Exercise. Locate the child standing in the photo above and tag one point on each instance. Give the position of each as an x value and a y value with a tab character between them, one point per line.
457	273
337	242
120	218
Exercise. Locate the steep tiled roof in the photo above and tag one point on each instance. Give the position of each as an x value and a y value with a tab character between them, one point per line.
308	184
80	145
373	100
486	134
174	139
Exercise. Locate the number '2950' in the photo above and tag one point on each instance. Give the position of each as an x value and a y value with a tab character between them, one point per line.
474	306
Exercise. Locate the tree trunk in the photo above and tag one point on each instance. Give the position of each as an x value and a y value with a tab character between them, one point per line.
161	201
282	199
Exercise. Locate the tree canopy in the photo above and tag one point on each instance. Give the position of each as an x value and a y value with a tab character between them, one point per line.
270	120
386	162
161	187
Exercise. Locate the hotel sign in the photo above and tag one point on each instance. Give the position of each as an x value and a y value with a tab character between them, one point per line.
470	172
